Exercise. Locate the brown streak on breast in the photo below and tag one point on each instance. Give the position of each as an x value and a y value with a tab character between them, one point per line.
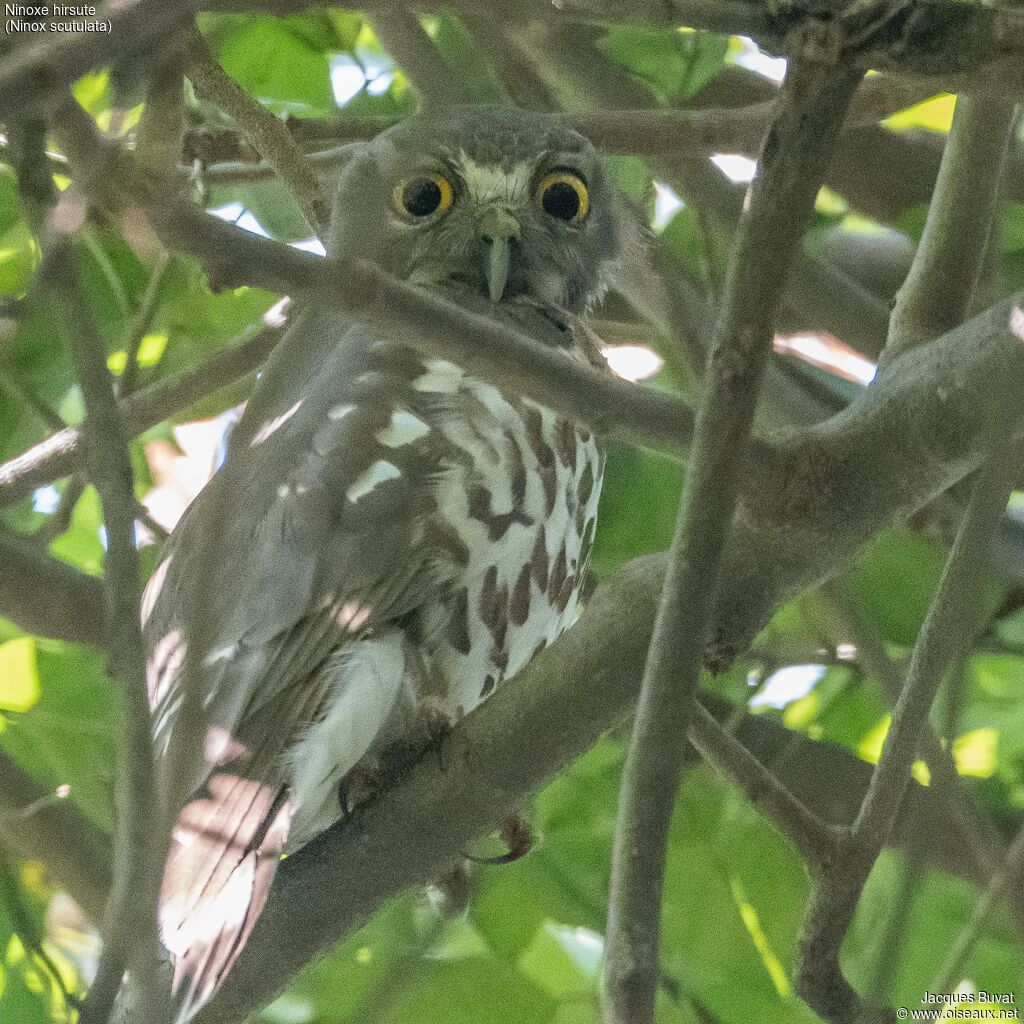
458	622
539	562
519	605
565	440
565	593
557	577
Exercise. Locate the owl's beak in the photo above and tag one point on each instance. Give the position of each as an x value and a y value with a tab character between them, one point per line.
498	227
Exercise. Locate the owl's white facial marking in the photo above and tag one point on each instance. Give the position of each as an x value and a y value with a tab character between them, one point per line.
403	429
486	183
370	478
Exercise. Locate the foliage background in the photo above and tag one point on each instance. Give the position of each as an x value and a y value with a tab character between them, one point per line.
528	947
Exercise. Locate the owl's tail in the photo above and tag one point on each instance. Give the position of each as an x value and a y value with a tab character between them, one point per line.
225	849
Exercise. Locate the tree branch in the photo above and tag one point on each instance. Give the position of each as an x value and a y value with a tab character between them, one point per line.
793	163
268	134
947	628
38	824
49	598
821	494
399	32
967	47
129	932
815	839
61	453
568	696
936	295
645	132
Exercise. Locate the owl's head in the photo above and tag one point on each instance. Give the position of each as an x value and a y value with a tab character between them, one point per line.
505	201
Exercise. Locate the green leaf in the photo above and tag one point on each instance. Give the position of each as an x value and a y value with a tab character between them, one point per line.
895	577
18	250
939	912
565	962
677	64
467	992
1010	630
933	115
28	993
19	675
80	544
298	78
624	530
68	736
271	203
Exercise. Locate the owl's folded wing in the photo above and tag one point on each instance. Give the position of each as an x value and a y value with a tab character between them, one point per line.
310	535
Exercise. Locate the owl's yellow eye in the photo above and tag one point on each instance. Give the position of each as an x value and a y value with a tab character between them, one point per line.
423	196
564	196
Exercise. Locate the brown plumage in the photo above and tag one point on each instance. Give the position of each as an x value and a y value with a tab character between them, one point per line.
390	530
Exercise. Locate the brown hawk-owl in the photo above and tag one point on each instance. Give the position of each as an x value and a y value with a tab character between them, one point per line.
390	533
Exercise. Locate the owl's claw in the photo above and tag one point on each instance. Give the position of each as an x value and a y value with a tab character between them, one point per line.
429	730
370	778
518	836
361	786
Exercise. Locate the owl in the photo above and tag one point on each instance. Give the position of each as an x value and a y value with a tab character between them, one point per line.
389	539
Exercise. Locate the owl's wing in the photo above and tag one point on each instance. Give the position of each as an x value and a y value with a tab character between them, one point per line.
310	535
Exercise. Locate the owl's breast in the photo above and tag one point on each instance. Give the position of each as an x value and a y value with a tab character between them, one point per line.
515	512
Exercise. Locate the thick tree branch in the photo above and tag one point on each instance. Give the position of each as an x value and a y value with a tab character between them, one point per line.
821	494
569	695
793	163
557	707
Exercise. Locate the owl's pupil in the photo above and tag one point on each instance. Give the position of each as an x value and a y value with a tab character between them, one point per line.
421	197
561	200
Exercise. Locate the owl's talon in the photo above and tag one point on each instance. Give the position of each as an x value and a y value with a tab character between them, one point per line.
361	786
517	834
430	730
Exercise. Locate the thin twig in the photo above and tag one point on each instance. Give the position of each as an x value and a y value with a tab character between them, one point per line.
794	160
140	325
61	454
25	928
953	963
947	628
267	133
985	841
813	838
130	928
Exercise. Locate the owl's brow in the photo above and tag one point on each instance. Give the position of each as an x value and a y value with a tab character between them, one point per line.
488	181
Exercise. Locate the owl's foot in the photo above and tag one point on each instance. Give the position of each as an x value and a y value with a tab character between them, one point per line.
450	893
518	836
425	731
363	785
430	728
